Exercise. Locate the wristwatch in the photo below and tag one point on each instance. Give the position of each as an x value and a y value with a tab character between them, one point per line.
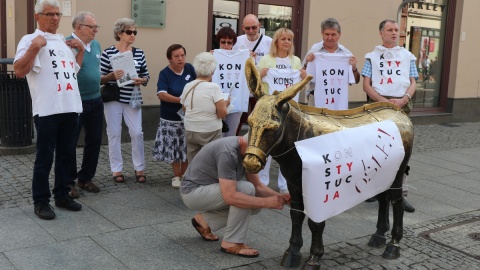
408	95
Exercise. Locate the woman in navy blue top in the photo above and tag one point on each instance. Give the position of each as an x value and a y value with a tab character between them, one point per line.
170	144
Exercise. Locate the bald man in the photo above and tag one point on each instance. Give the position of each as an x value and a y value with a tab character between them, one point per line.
258	44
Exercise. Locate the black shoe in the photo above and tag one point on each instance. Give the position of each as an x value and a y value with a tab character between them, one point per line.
68	203
372	199
408	207
44	211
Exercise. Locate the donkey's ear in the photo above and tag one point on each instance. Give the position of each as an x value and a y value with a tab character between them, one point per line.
291	91
254	81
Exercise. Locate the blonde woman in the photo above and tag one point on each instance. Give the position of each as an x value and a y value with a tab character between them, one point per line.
280	59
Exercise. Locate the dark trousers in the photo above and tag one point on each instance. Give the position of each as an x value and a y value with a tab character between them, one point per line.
55	137
91	119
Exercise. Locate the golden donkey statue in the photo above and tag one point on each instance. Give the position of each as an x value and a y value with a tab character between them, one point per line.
277	122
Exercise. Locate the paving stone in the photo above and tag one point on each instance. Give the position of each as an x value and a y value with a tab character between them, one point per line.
137	226
4	263
80	253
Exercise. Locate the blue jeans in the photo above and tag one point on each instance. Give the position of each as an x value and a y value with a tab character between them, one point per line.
91	119
54	133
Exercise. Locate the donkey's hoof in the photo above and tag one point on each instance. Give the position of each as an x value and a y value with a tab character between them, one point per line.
392	251
377	241
291	260
313	263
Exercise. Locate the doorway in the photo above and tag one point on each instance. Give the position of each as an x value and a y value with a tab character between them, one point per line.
424	28
272	14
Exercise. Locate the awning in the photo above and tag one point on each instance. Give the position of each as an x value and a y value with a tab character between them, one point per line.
230	9
275	12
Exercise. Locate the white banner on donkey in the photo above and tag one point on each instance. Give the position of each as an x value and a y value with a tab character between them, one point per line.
344	168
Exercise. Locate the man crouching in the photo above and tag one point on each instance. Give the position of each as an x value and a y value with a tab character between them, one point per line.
213	184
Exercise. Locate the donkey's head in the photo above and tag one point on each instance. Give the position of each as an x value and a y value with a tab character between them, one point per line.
265	123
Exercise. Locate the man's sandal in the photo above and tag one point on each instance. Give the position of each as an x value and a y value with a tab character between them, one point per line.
118	178
206	234
235	250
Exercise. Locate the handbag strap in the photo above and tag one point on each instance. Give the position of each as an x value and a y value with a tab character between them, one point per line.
190	90
258	42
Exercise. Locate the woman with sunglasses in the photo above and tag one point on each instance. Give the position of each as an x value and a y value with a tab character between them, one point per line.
124	32
226	38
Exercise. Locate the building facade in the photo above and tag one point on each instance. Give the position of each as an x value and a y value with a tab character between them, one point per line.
448	90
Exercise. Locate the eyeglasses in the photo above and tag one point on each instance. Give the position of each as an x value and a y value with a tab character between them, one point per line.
93	27
223	42
52	14
129	32
254	27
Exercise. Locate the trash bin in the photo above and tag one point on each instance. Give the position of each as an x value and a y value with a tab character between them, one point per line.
16	122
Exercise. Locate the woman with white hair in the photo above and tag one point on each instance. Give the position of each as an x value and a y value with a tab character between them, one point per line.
204	106
124	32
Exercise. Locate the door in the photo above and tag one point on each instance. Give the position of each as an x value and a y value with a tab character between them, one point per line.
272	14
275	14
426	28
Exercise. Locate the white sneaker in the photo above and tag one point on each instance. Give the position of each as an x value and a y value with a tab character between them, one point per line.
284	191
176	182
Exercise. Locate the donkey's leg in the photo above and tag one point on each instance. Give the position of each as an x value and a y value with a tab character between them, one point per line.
395	194
316	248
383	224
292	256
392	251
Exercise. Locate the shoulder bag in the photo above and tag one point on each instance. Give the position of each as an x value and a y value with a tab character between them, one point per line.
258	42
110	92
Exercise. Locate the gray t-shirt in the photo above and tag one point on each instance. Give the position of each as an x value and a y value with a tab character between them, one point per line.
218	159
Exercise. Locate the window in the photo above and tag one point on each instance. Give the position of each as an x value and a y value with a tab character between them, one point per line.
425	23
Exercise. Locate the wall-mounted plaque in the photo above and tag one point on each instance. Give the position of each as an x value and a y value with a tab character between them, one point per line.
149	13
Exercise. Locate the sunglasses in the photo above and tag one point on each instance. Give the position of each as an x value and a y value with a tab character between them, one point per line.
129	32
223	42
247	28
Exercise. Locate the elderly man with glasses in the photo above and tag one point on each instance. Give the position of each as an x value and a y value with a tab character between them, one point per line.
257	43
259	46
91	119
51	68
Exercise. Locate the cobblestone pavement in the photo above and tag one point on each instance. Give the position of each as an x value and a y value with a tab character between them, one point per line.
16	170
437	244
417	252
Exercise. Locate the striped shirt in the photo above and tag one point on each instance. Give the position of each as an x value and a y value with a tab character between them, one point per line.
140	66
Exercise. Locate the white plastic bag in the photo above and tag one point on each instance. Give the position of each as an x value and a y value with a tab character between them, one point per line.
135	101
